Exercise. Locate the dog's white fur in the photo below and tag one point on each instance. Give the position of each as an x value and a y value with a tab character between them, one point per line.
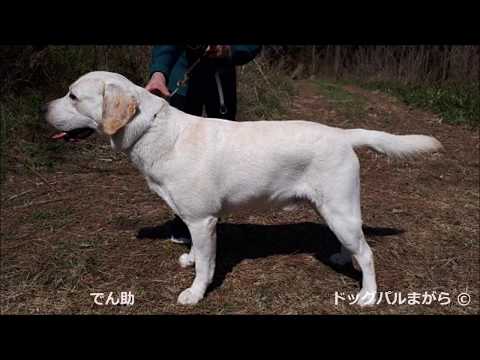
204	168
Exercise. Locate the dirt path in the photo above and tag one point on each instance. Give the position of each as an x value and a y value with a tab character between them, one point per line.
97	228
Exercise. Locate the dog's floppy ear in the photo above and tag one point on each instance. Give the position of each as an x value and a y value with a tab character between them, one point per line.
119	107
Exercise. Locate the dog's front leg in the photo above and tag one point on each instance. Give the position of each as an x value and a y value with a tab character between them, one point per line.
204	242
186	260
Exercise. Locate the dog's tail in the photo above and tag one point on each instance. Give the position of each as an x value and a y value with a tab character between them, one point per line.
393	145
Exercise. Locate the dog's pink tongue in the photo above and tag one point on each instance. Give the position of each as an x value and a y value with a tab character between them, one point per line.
59	136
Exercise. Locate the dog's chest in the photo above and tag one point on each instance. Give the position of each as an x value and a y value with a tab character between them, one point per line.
147	168
143	160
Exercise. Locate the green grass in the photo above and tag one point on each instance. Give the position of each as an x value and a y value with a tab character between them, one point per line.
456	104
349	104
24	135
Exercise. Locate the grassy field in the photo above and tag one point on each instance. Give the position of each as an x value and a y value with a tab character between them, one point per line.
454	103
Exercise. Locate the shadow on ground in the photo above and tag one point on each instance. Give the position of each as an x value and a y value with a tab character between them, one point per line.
238	242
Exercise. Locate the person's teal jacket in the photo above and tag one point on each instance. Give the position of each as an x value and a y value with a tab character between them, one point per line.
171	60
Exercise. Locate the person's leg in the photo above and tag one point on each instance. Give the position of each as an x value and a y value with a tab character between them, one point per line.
194	99
178	101
191	103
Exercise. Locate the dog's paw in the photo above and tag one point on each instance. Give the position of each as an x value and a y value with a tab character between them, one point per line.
366	298
186	260
340	259
189	297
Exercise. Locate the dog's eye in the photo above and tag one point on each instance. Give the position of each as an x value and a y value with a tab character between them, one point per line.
73	97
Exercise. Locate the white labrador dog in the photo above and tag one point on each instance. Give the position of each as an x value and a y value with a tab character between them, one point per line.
204	168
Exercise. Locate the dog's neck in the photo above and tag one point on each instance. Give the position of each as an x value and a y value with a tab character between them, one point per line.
152	134
150	109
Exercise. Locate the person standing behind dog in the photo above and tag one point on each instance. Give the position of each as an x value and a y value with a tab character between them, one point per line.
212	83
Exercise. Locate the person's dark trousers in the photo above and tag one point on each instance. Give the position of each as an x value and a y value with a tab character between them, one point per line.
203	92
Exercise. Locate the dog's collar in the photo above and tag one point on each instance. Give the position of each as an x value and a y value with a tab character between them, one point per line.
164	109
120	142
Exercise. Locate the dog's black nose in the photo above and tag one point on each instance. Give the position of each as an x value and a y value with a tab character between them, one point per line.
44	108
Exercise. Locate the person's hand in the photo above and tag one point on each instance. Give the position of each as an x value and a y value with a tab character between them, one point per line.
219	51
157	85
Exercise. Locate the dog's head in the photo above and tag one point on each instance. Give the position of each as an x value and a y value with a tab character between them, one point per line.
98	101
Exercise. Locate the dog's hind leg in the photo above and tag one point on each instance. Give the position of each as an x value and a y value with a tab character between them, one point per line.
204	241
348	230
341	210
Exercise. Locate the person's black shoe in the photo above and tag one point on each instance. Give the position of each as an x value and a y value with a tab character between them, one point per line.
179	232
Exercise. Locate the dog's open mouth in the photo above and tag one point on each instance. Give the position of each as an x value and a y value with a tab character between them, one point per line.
73	135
